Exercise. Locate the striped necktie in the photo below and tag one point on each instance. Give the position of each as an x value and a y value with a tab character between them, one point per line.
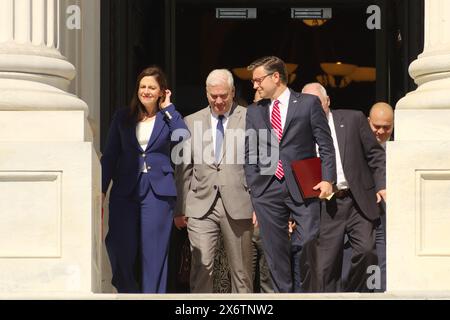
276	125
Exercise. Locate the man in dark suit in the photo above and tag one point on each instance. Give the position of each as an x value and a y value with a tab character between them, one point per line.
282	127
353	210
381	121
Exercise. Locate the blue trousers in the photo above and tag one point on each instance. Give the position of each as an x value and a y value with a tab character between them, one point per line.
138	239
273	210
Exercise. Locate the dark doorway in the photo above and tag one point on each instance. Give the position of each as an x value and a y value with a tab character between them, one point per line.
205	42
188	41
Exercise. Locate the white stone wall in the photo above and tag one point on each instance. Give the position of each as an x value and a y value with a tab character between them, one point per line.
418	168
49	170
81	47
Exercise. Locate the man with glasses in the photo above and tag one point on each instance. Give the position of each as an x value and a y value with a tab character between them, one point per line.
286	126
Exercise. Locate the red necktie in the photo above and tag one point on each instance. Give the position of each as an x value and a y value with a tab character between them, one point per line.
276	125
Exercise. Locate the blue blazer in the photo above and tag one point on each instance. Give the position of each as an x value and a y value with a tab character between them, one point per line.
306	125
123	158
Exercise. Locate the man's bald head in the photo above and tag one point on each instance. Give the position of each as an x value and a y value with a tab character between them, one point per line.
381	120
318	90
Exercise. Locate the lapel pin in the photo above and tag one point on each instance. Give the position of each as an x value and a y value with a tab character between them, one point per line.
342	125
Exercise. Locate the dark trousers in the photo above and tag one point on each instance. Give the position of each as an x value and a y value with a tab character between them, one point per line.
340	217
295	262
262	282
138	239
380	240
273	210
179	262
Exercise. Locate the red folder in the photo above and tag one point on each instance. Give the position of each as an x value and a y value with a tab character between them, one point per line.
307	173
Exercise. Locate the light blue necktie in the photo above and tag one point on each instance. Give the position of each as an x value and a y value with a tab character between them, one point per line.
219	138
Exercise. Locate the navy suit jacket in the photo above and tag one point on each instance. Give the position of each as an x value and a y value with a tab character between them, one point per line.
306	125
363	159
123	158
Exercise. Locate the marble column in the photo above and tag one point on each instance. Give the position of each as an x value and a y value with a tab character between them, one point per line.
50	235
418	168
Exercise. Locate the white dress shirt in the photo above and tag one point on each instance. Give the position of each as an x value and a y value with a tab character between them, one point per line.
144	130
341	182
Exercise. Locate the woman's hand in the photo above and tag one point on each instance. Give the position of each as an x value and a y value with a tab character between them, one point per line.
166	102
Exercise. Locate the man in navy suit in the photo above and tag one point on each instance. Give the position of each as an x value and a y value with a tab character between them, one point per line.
353	210
282	127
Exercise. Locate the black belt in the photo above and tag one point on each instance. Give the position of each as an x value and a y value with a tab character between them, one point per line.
344	193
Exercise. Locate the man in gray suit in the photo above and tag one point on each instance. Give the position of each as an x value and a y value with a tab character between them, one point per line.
212	193
286	126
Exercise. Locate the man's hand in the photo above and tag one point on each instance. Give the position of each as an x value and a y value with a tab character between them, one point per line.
254	220
180	222
381	195
291	226
326	189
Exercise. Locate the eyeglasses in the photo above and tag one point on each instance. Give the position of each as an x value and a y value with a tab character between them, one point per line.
259	80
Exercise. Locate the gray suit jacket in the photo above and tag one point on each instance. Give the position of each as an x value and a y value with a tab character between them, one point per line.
306	125
363	159
199	180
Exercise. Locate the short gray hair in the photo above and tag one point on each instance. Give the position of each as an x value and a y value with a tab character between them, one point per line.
220	76
321	88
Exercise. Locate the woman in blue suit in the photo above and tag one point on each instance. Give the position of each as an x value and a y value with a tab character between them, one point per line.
137	159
